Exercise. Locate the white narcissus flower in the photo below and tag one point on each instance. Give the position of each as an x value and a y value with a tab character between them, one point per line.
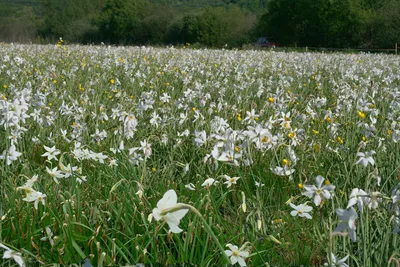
301	210
261	137
337	263
365	158
357	196
396	194
209	182
146	147
10	155
30	182
49	236
190	186
51	153
155	119
230	156
373	200
113	162
55	174
186	168
236	255
285	171
16	256
168	201
200	138
259	184
139	193
348	222
230	180
67	170
13	154
99	157
36	197
319	192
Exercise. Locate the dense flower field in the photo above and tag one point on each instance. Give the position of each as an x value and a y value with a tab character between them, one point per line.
127	155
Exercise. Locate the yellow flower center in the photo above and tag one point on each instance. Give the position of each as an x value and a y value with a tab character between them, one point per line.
235	253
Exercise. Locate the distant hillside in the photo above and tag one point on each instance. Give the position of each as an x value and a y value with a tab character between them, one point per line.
10	7
256	6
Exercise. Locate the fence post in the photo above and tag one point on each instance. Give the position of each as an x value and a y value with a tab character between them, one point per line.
306	48
396	48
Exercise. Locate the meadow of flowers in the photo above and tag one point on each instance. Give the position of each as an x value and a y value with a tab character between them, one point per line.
127	155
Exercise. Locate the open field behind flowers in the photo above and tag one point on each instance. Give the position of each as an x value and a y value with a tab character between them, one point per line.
127	155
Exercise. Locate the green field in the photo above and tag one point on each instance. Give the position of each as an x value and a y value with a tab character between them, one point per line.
127	155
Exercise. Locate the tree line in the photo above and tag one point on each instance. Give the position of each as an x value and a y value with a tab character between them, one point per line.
212	23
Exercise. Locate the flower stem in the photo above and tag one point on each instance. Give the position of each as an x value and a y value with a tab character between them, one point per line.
181	206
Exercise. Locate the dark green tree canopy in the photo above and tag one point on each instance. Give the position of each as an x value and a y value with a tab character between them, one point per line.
332	23
214	23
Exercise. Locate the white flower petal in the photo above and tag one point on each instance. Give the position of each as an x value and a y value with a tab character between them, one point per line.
241	262
168	200
234	260
180	213
317	200
352	202
341	227
228	253
319	180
